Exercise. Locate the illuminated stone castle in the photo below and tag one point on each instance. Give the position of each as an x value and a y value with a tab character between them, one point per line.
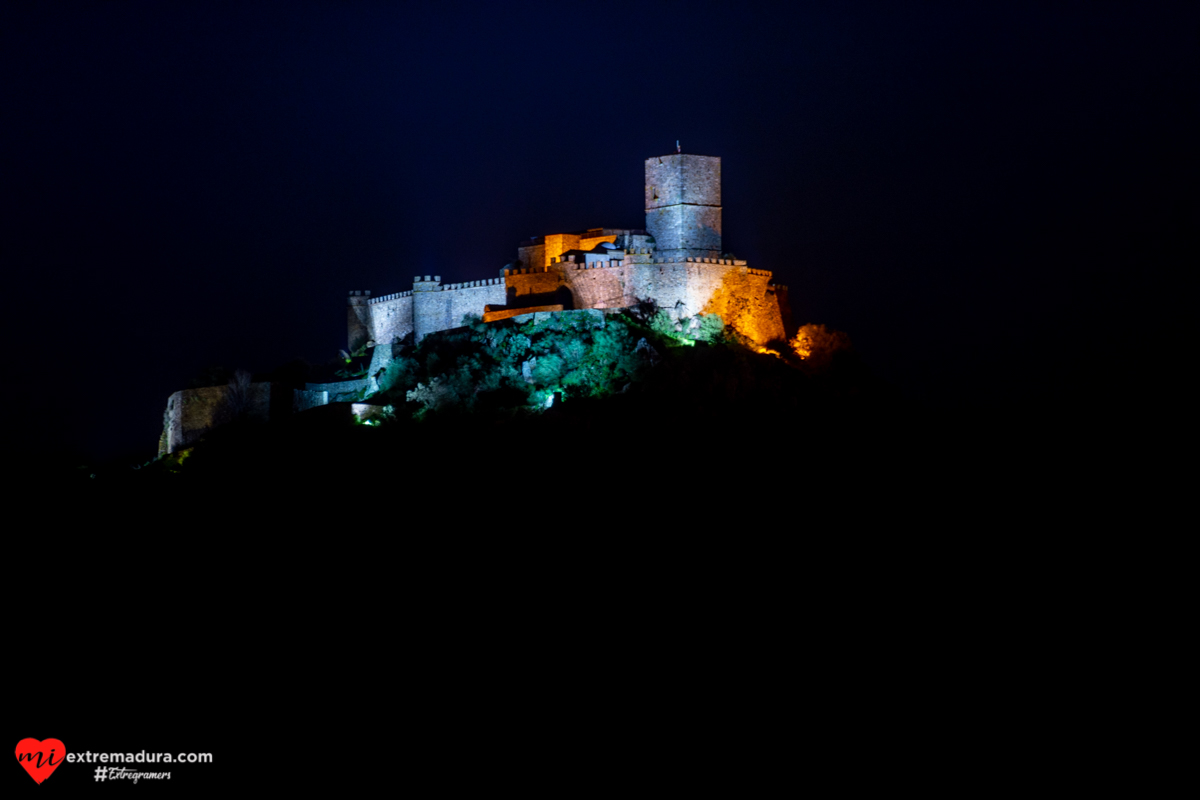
676	263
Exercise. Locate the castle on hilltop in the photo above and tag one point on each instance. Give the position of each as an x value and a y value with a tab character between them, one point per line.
676	263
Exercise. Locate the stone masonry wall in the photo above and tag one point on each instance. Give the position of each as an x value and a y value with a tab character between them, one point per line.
358	320
744	297
683	178
683	230
193	412
554	245
683	205
596	286
746	300
537	282
443	307
680	287
533	255
391	317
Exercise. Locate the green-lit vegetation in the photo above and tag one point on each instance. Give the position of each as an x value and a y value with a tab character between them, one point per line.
600	390
510	366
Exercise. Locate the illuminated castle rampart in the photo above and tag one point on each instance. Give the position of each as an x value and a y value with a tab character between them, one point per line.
676	262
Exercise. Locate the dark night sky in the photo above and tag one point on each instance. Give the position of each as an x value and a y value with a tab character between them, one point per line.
992	199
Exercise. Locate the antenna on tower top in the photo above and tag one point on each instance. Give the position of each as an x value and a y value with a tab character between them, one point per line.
678	149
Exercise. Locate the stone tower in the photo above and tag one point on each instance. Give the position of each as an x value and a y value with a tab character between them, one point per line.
428	310
683	205
358	315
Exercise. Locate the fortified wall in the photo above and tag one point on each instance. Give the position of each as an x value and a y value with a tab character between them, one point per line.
192	413
428	307
675	262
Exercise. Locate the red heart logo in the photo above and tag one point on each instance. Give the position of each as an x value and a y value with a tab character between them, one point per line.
40	758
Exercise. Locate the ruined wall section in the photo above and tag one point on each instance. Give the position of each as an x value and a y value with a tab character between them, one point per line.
440	308
391	317
191	413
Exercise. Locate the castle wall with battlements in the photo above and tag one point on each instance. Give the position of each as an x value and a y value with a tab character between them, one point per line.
533	286
439	308
676	263
744	297
599	285
391	317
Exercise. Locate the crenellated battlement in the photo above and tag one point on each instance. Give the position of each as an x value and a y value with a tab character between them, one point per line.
483	284
610	264
388	297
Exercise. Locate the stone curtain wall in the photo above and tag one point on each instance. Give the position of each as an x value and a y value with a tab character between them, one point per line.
742	296
430	307
746	300
599	286
391	317
443	307
537	282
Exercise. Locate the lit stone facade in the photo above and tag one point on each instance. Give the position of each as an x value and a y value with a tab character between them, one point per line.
676	262
683	206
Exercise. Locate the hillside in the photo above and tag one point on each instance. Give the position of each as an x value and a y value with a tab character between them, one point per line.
586	387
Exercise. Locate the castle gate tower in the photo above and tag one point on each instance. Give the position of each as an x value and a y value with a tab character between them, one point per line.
683	205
